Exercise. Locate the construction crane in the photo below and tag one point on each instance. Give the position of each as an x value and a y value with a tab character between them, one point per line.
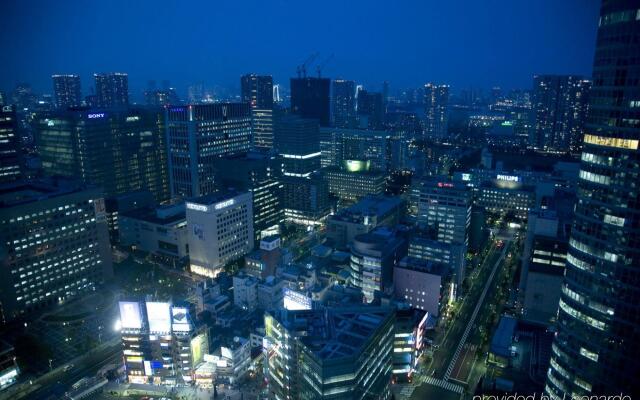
302	69
322	64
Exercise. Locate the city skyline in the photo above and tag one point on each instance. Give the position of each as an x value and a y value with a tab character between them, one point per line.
406	48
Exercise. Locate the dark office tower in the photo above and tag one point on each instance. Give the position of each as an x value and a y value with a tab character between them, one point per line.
161	97
112	90
259	174
595	350
370	110
9	145
297	141
310	98
385	92
118	150
560	105
199	134
257	90
344	104
436	102
66	89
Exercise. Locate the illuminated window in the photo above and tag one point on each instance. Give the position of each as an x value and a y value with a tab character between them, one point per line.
611	142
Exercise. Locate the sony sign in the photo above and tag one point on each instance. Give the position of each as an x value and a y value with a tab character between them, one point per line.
224	204
95	115
197	207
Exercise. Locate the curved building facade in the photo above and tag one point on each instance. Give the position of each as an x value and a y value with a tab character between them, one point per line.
596	348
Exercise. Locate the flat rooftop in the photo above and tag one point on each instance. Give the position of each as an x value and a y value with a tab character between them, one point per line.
24	192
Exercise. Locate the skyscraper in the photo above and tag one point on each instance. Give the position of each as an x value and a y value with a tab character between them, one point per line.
560	104
370	109
344	104
595	350
112	90
297	141
9	145
66	89
199	134
436	103
257	90
310	98
118	150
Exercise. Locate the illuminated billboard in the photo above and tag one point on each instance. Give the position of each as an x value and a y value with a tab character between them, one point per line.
180	319
159	316
130	315
296	301
357	165
199	348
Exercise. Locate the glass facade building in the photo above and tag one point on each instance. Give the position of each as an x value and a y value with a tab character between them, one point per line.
596	347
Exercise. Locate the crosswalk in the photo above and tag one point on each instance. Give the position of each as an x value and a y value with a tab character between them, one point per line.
452	387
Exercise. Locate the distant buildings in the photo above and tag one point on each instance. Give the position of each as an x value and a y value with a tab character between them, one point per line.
66	91
343	104
560	105
436	103
352	185
10	160
197	136
257	90
55	244
371	111
310	98
119	150
325	354
220	230
112	90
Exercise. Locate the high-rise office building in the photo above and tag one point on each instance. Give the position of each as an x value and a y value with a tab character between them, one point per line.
596	347
306	194
112	90
443	208
436	104
261	175
370	110
66	89
340	146
257	90
55	244
220	230
343	104
310	98
335	353
560	105
199	134
119	150
10	164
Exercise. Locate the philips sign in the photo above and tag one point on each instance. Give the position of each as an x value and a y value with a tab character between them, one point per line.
509	178
95	115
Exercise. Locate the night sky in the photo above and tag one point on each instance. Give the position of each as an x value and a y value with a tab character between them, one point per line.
478	43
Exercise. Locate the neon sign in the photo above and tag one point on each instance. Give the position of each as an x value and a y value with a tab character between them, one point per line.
224	204
95	115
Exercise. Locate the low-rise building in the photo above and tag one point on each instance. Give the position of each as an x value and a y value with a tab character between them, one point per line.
161	232
421	284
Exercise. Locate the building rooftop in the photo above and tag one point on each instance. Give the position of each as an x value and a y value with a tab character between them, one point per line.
501	341
215	197
24	192
336	332
163	215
